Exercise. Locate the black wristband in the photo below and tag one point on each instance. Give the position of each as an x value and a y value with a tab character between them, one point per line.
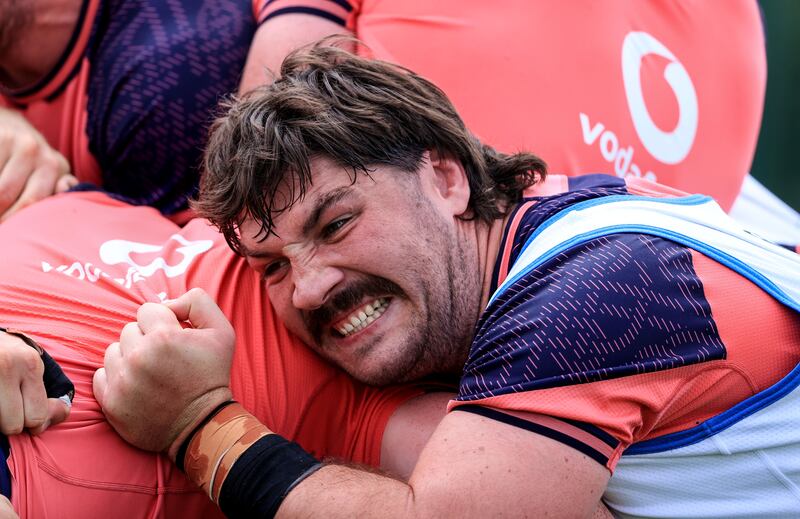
56	383
262	477
185	445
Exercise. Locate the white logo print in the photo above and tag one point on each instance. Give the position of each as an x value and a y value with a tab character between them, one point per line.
114	252
668	147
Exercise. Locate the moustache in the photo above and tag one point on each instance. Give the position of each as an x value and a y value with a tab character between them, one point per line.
345	299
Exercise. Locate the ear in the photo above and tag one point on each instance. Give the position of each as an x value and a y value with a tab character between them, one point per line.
450	182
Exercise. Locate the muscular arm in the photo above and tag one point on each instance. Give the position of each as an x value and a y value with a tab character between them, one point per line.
408	430
472	466
276	38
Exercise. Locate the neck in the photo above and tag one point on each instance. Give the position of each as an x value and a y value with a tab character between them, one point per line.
488	238
40	42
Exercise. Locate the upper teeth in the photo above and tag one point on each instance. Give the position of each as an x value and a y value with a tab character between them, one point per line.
363	316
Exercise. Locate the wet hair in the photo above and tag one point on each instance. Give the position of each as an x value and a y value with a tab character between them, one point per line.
357	112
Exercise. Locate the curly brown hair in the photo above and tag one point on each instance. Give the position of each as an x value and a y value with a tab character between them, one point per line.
355	111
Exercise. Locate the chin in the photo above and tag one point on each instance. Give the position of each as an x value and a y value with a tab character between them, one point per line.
375	377
387	373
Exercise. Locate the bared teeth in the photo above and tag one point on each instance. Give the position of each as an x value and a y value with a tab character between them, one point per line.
363	317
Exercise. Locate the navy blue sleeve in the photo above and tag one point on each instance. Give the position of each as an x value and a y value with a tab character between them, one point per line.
615	306
158	71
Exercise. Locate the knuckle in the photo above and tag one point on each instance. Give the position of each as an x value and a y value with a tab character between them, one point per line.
50	166
60	163
111	351
32	362
161	336
229	334
27	145
147	308
139	361
35	419
130	327
16	357
197	293
7	364
10	429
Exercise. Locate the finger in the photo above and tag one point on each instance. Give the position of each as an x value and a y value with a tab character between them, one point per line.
99	385
65	183
11	409
13	177
112	360
152	316
5	152
128	339
198	308
34	400
57	412
40	184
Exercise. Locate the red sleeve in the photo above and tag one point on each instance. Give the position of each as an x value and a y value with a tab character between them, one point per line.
602	419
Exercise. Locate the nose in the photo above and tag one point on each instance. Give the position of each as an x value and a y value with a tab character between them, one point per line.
313	284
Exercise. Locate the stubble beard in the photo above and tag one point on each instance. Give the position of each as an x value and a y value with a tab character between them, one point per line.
439	343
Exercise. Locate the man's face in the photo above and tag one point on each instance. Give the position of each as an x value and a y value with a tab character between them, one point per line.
372	274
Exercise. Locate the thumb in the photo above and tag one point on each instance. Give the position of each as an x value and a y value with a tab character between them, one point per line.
99	385
57	412
198	308
65	183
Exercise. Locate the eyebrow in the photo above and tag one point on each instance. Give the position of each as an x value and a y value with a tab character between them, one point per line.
323	203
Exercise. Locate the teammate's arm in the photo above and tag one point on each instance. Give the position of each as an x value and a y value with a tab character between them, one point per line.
408	430
277	37
155	393
473	466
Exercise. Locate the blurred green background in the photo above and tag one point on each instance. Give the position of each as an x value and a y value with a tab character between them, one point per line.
776	161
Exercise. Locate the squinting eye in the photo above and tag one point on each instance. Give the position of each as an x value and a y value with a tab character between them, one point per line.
273	268
331	228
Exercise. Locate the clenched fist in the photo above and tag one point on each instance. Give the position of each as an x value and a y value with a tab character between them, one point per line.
162	377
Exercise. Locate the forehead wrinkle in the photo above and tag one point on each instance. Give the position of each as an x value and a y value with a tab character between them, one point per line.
320	205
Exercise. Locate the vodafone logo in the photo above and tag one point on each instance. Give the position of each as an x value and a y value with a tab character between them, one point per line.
114	252
669	147
666	146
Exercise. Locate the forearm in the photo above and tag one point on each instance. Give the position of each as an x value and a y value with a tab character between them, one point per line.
249	471
472	466
337	491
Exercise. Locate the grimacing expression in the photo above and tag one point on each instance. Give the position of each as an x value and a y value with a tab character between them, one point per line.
370	273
